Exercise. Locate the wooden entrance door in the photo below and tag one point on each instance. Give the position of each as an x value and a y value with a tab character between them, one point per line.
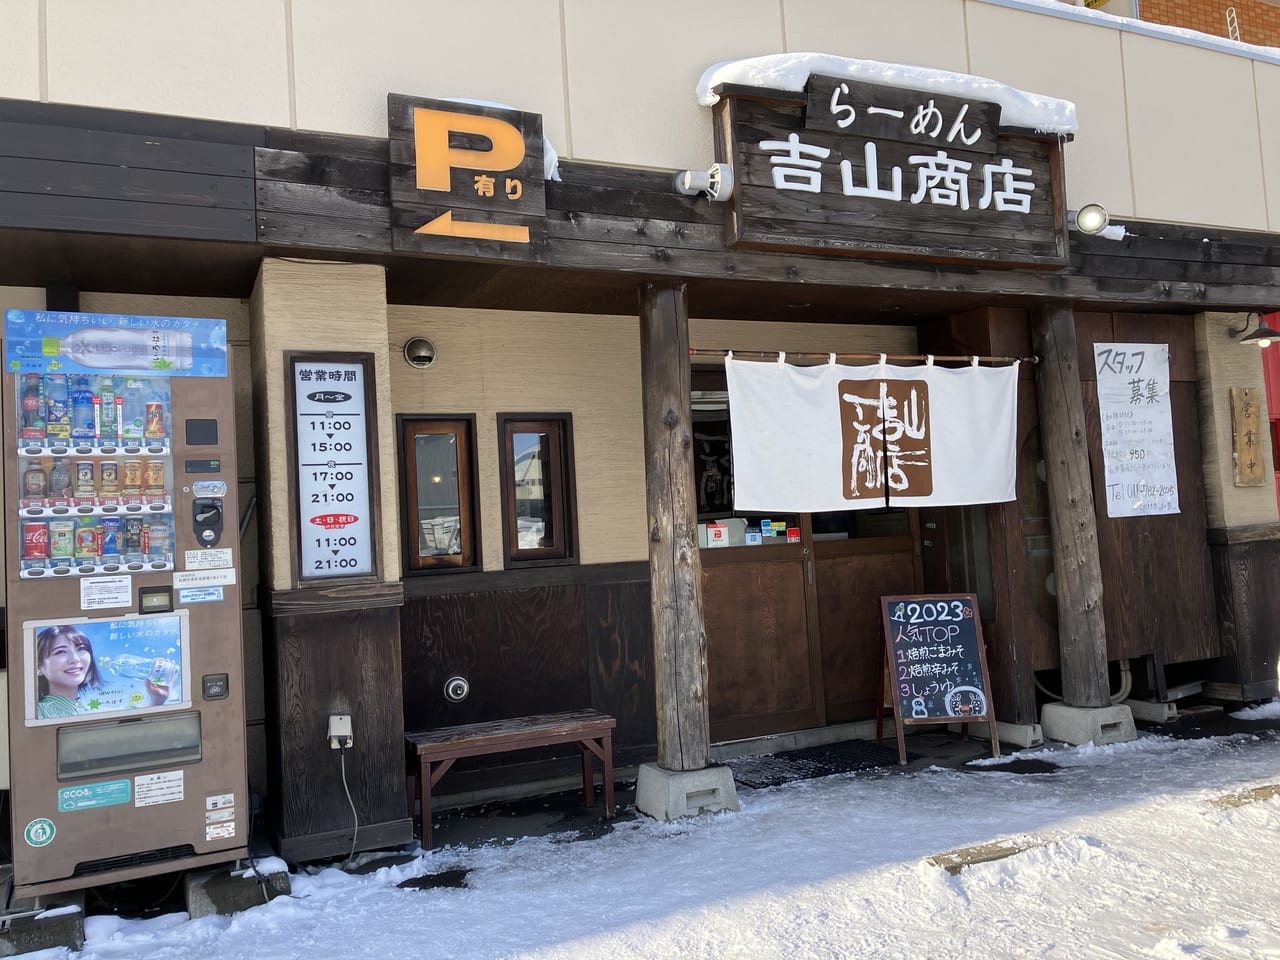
764	662
793	629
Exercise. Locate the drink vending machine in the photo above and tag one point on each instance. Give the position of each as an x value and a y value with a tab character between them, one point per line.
125	665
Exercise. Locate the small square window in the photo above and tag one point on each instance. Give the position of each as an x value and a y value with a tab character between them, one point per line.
439	496
538	504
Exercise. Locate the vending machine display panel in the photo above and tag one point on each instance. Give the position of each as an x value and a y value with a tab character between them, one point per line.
80	669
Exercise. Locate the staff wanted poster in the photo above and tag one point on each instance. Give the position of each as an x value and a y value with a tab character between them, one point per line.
1137	429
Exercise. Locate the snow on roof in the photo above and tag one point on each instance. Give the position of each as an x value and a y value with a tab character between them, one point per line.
1101	18
790	71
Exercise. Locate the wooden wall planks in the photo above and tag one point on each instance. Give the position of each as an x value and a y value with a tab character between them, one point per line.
323	191
101	181
94	171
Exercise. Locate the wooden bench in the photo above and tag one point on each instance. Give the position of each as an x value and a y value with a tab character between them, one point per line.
436	750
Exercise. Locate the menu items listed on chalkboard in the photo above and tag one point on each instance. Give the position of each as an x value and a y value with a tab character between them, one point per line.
937	665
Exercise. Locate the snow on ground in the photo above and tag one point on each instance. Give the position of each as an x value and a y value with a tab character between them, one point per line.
1133	854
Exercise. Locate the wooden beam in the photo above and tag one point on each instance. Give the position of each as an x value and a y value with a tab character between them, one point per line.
1077	569
675	570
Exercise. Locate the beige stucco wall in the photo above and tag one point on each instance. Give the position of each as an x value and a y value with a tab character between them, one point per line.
1009	45
20	48
1267	82
226	61
893	34
313	306
347	58
614	80
1193	130
800	337
1222	363
491	361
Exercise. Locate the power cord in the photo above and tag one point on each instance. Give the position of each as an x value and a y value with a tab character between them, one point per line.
355	818
253	863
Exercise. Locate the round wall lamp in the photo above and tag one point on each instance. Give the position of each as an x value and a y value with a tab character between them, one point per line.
419	352
1091	218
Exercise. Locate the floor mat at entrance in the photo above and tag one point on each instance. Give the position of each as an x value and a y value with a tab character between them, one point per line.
772	769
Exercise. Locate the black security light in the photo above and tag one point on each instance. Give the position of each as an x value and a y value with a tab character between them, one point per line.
1264	336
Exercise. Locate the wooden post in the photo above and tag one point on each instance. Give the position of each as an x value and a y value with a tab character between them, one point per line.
675	571
1082	636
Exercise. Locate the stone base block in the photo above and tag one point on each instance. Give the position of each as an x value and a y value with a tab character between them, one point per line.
230	891
1097	725
1152	711
1016	734
672	794
57	922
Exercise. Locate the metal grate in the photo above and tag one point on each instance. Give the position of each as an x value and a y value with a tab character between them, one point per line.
91	867
772	769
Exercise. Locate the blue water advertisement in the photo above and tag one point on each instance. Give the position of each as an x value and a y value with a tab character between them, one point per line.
83	669
41	341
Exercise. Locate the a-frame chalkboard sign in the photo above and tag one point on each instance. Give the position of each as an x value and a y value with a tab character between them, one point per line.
937	665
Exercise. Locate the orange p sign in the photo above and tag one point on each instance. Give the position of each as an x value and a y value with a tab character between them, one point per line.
436	158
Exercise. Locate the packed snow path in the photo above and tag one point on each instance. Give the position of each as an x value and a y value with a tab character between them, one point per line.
1157	848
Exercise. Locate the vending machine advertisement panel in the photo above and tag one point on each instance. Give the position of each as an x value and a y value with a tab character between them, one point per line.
126	703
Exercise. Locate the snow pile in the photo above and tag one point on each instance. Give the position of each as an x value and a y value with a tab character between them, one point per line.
790	71
1264	711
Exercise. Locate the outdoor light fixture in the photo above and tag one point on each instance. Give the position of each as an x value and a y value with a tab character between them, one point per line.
1264	336
420	352
1091	218
716	182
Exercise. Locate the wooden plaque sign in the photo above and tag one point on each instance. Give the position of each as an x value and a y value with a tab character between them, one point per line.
937	664
1246	438
865	169
466	179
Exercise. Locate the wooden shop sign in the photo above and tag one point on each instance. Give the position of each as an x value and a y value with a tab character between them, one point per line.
865	169
466	179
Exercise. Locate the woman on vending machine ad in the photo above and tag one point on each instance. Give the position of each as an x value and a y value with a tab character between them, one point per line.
93	668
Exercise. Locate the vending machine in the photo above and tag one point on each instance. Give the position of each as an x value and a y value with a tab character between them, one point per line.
125	664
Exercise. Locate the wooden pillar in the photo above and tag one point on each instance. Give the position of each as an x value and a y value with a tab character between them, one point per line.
1082	637
675	571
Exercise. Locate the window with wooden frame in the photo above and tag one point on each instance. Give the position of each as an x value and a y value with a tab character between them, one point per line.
535	461
440	514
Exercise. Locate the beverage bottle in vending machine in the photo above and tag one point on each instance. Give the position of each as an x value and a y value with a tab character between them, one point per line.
57	411
153	416
82	418
133	410
59	482
33	408
123	348
107	406
35	482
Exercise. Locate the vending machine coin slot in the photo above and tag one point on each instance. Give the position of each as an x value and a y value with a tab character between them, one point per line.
206	519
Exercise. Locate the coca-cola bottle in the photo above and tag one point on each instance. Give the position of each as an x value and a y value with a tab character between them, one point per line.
33	408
